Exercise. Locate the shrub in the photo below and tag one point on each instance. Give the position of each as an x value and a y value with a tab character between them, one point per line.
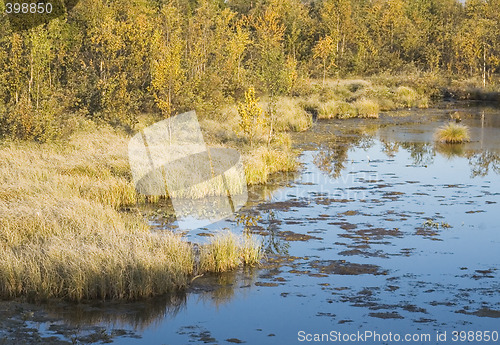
251	115
23	121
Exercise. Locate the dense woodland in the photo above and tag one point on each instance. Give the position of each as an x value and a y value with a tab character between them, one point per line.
111	60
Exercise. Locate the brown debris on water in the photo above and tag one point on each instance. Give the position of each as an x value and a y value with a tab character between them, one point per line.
343	267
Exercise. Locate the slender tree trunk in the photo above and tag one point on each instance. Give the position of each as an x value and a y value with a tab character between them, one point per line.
37	91
484	65
30	82
324	71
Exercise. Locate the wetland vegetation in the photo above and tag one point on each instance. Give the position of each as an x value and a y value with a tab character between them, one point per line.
453	133
333	105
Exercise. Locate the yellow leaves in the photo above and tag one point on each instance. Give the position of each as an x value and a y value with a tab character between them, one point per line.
251	115
269	26
167	71
324	47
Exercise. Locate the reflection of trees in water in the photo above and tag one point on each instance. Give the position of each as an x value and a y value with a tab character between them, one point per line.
332	156
140	315
390	148
483	162
421	153
332	160
273	243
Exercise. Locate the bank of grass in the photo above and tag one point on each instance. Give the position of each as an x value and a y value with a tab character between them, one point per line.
290	115
68	228
343	99
271	151
452	133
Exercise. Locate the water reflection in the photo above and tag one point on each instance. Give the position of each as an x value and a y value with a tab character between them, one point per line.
222	288
349	258
273	243
138	315
215	289
482	153
482	162
422	153
332	156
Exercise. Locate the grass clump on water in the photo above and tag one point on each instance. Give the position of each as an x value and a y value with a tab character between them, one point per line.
227	251
453	133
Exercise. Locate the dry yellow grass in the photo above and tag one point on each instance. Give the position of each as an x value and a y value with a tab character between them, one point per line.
367	108
227	251
262	162
291	116
452	133
63	230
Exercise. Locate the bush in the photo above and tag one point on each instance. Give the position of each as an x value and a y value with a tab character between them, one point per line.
23	121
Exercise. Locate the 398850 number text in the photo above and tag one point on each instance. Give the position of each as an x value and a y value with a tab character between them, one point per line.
25	7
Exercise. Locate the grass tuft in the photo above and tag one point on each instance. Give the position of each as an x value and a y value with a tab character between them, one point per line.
367	108
452	133
409	98
328	110
227	251
263	161
291	116
344	110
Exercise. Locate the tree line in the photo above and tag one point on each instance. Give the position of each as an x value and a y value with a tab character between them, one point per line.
114	59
